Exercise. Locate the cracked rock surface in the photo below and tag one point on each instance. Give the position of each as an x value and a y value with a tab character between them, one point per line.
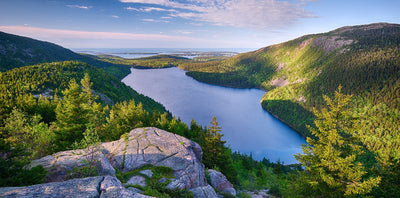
144	146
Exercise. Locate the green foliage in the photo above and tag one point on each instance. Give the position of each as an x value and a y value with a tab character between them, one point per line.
50	78
332	160
257	175
158	61
22	130
215	152
124	117
75	112
12	167
82	172
153	187
90	142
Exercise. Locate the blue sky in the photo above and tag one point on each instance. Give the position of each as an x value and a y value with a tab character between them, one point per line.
185	23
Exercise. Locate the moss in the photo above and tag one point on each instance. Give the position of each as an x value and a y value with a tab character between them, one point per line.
153	187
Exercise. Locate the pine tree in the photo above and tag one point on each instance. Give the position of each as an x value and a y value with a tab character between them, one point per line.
213	144
331	159
76	112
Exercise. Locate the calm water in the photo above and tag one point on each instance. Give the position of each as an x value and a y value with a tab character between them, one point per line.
245	125
146	52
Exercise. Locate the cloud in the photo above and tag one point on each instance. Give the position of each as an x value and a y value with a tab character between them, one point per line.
80	7
259	14
90	39
115	16
44	33
149	9
184	32
154	20
149	20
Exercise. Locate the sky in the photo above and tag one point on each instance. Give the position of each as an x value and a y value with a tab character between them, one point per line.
185	23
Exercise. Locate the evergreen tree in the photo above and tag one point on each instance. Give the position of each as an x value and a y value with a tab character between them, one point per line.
331	160
75	112
213	144
71	116
216	155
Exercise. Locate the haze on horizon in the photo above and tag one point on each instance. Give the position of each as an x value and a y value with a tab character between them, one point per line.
185	23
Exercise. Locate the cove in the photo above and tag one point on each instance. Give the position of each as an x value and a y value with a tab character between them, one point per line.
246	126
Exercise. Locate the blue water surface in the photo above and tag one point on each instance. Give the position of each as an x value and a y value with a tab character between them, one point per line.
246	126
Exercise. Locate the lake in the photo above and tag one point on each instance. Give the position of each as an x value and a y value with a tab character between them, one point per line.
246	126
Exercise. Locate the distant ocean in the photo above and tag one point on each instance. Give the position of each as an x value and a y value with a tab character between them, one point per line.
145	52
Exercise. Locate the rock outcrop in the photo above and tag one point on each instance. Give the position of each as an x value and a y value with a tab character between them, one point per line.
142	146
219	182
86	187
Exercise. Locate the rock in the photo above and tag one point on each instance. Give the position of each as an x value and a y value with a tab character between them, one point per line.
109	182
134	190
86	187
148	173
136	180
112	187
204	192
59	164
219	181
256	194
162	180
159	148
144	146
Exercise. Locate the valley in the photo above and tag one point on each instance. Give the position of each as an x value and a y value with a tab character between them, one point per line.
339	89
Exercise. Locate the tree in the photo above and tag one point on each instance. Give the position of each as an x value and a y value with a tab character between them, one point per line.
216	155
213	144
27	132
331	160
75	112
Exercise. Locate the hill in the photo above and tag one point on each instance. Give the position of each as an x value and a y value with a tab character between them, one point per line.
49	79
157	61
364	59
17	51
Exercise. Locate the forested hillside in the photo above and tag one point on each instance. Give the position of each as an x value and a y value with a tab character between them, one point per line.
17	51
365	60
345	85
49	79
57	106
158	61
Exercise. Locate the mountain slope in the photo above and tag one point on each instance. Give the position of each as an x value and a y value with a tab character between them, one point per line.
51	78
17	51
364	59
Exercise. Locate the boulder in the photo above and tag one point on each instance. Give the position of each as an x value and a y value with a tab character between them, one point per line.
86	187
60	164
148	173
111	187
136	180
104	187
159	148
204	192
219	182
143	146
